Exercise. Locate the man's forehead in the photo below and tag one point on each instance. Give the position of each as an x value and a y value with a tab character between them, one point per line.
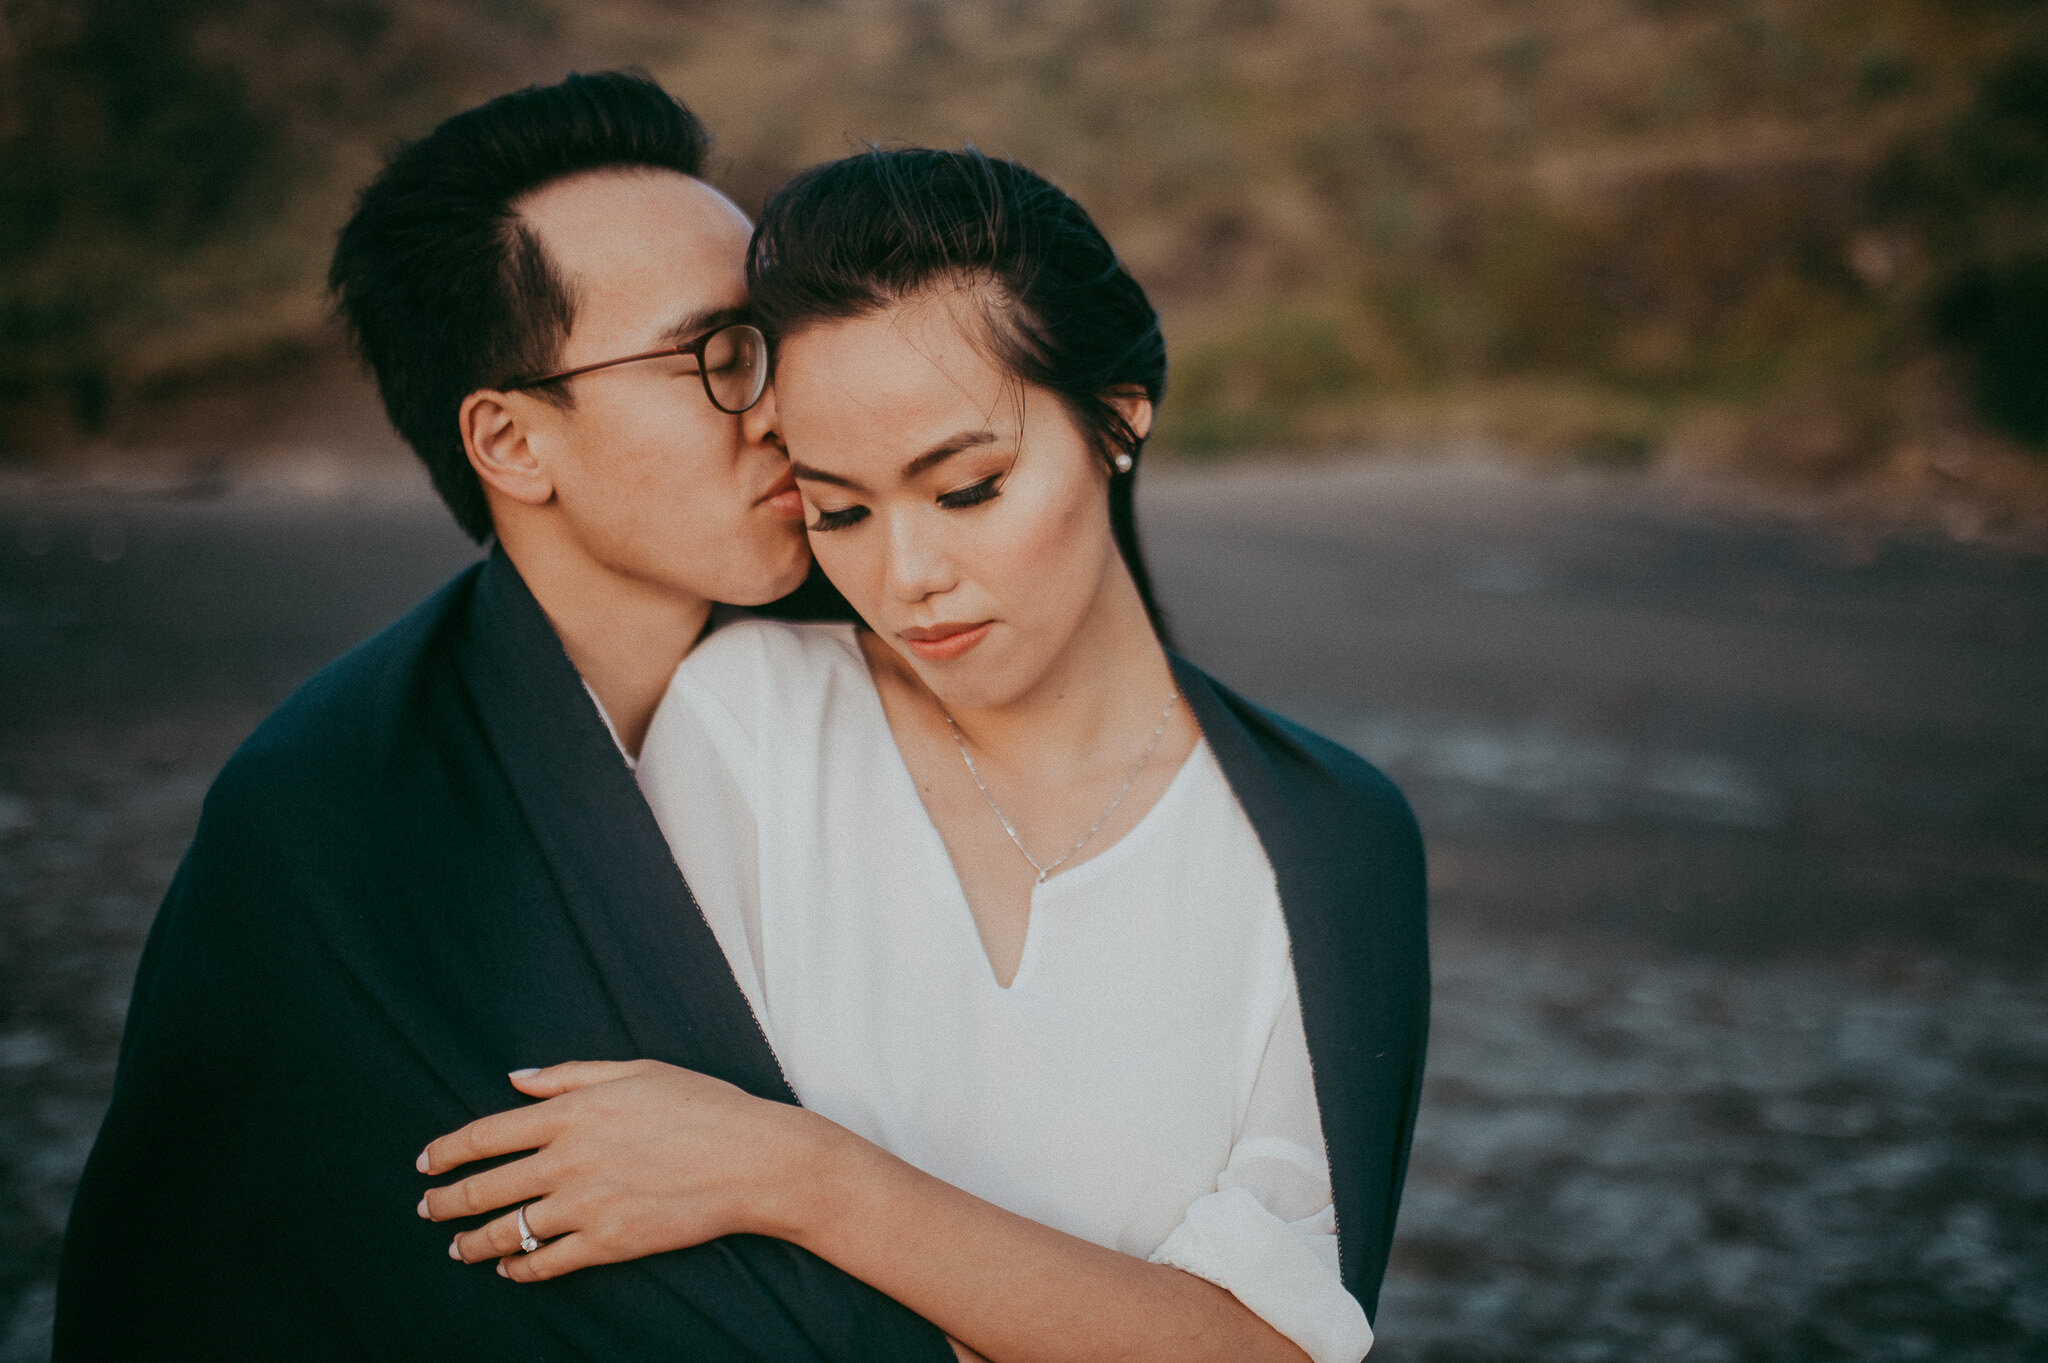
657	245
625	196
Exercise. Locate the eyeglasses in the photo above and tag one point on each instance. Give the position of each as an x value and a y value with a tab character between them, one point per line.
732	361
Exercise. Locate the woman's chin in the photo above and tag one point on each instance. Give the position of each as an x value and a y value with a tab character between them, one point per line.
974	684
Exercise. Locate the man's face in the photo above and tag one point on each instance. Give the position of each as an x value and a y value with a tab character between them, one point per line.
656	484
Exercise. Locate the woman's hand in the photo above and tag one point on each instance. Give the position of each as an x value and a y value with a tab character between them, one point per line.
638	1158
629	1159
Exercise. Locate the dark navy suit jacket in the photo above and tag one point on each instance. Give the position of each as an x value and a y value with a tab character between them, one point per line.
430	867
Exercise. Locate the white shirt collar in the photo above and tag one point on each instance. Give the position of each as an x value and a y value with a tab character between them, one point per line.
609	727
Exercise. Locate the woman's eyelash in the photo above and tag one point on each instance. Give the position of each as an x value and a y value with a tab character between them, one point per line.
988	489
839	520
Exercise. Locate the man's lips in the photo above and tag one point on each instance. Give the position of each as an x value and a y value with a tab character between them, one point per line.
783	499
943	643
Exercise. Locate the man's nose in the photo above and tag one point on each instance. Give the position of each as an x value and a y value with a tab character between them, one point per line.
761	423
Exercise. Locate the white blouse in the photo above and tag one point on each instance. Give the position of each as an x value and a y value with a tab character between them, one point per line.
1143	1083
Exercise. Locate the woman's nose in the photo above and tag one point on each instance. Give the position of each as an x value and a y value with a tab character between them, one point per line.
918	566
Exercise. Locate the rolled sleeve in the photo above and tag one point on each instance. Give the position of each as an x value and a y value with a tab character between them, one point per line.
1268	1234
1283	1271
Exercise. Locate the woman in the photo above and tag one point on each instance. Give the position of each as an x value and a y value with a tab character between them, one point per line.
1103	990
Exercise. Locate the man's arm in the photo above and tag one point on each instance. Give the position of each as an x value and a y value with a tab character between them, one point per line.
163	1256
251	1192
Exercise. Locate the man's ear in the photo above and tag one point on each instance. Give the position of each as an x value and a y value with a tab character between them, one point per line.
496	438
1135	408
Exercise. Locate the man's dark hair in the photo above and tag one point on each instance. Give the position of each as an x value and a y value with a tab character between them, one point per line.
444	289
850	237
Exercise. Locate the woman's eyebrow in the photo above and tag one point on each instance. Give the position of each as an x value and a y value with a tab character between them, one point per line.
937	454
799	469
946	449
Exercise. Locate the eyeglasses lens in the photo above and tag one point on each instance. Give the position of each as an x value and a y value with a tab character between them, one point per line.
736	367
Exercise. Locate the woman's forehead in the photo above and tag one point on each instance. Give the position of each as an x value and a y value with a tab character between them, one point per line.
907	374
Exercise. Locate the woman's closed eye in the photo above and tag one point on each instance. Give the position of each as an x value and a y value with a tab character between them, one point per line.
840	519
987	490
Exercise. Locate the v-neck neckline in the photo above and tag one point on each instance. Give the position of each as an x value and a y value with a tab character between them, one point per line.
962	912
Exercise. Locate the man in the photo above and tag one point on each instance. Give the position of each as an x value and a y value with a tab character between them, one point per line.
432	866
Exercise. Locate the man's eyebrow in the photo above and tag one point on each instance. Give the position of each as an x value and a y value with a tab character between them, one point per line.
946	449
690	327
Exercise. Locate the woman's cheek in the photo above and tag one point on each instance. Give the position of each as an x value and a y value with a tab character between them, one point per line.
1041	568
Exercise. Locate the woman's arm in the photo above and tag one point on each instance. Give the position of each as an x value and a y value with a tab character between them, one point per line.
638	1158
1008	1286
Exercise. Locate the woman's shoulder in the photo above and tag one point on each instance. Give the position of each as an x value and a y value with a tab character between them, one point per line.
748	652
765	673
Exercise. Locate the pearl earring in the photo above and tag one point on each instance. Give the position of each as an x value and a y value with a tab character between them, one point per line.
1124	462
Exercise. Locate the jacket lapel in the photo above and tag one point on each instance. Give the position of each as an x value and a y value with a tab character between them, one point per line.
663	969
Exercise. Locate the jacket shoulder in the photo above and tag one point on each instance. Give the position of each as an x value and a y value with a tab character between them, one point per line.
1323	776
1370	792
348	718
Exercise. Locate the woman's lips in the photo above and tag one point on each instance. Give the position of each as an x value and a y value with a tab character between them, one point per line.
783	499
943	643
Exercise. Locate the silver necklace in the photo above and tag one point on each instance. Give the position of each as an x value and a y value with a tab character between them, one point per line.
1001	818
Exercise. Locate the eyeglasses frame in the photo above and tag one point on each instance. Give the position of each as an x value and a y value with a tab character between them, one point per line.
694	348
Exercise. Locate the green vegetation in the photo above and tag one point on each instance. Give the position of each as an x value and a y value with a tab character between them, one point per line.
1786	233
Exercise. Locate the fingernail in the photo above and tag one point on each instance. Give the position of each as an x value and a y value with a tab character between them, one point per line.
422	1208
421	1163
501	1269
525	1073
453	1252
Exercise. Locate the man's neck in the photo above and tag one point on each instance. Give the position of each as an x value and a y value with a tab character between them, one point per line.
623	634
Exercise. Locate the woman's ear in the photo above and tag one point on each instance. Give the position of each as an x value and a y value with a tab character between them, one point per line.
496	438
1135	408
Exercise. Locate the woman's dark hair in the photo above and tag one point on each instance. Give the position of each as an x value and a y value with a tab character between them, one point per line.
444	289
850	237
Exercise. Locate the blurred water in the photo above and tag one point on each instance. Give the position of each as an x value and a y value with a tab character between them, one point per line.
1739	851
1571	776
98	822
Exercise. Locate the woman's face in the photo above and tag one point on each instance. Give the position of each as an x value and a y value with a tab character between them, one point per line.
962	512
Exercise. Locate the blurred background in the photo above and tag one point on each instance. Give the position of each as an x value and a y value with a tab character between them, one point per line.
1624	420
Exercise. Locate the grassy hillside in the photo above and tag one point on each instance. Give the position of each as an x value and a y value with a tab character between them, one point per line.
1800	235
